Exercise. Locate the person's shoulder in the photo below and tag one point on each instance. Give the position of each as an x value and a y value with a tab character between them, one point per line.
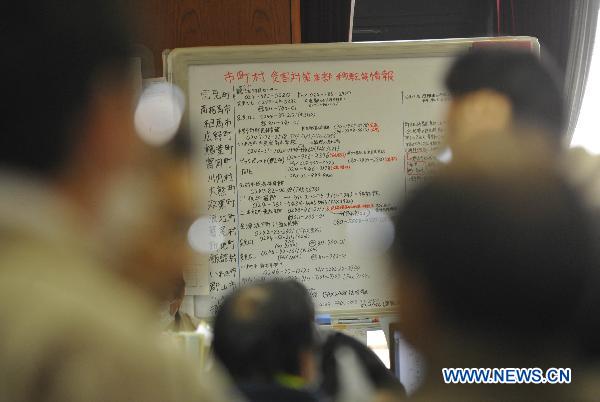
582	169
67	288
67	319
580	163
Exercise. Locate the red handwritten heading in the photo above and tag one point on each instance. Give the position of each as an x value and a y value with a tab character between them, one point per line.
282	77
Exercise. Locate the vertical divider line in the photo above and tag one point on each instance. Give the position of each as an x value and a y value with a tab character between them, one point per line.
237	190
404	151
405	159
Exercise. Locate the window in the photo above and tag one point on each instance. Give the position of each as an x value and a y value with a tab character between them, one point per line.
587	131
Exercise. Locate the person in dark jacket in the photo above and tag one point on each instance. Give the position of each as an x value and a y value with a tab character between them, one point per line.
264	335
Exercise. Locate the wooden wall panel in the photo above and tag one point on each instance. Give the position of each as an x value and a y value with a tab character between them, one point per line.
295	22
182	23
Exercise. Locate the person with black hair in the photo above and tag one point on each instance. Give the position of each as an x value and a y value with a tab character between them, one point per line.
507	91
265	336
78	332
504	90
492	256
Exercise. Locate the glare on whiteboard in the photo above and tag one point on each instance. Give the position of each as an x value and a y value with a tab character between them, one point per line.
370	232
158	113
205	235
445	156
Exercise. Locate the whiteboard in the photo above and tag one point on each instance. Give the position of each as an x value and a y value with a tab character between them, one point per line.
304	152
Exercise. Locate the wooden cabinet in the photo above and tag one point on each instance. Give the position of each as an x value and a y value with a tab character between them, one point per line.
167	24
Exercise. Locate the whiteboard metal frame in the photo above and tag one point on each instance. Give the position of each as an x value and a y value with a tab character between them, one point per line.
178	62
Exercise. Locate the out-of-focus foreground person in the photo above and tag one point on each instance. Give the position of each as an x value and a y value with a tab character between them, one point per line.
265	337
77	332
492	256
508	92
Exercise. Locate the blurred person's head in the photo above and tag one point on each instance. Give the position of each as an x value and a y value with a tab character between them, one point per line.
502	89
69	120
69	94
265	333
379	378
494	250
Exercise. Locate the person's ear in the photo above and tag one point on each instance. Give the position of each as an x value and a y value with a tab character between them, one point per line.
416	311
478	113
108	128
